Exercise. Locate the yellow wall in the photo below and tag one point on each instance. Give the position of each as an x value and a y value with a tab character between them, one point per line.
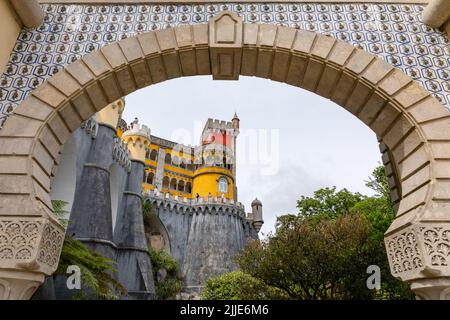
205	182
178	170
10	28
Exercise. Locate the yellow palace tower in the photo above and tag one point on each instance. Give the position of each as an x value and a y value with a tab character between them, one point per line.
206	172
195	213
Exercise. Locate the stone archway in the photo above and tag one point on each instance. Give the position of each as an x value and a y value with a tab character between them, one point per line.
413	128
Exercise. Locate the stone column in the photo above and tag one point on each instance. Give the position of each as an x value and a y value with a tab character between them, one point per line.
133	261
160	168
432	289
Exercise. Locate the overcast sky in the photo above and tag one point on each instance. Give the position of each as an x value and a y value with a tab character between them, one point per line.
292	141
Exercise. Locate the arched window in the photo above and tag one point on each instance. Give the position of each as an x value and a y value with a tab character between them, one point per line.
150	177
147	154
188	187
173	184
223	185
154	155
144	178
168	159
166	182
181	185
175	161
183	164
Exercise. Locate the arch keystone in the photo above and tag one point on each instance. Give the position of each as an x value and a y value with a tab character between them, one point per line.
225	41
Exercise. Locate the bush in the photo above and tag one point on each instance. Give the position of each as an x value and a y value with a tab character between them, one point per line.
171	285
238	285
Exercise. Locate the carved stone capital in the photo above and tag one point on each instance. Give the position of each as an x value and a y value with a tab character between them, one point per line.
29	250
420	250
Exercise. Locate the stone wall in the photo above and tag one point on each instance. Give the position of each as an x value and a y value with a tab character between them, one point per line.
204	237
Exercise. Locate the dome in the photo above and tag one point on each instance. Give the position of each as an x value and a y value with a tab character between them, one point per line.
256	202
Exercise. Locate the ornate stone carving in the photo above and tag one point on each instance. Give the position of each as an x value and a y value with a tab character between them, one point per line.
18	239
30	243
91	127
420	251
392	31
121	154
437	244
403	252
51	242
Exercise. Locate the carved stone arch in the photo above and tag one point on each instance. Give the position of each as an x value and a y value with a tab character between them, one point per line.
412	125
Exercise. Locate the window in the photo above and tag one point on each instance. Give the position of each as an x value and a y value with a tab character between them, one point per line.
223	185
150	178
153	155
168	158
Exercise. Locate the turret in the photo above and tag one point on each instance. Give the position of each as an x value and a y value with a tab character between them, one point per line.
257	214
235	121
110	114
133	263
137	139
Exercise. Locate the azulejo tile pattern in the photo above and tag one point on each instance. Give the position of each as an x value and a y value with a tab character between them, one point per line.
392	31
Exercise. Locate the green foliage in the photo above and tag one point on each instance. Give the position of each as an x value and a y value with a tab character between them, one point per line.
58	209
314	259
147	211
328	203
97	272
238	285
169	287
323	252
378	183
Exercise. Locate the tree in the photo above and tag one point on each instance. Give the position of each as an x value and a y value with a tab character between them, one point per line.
378	183
378	211
328	203
238	285
323	251
314	259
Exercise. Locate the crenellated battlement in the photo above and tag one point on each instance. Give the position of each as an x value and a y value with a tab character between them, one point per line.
213	125
213	205
137	129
